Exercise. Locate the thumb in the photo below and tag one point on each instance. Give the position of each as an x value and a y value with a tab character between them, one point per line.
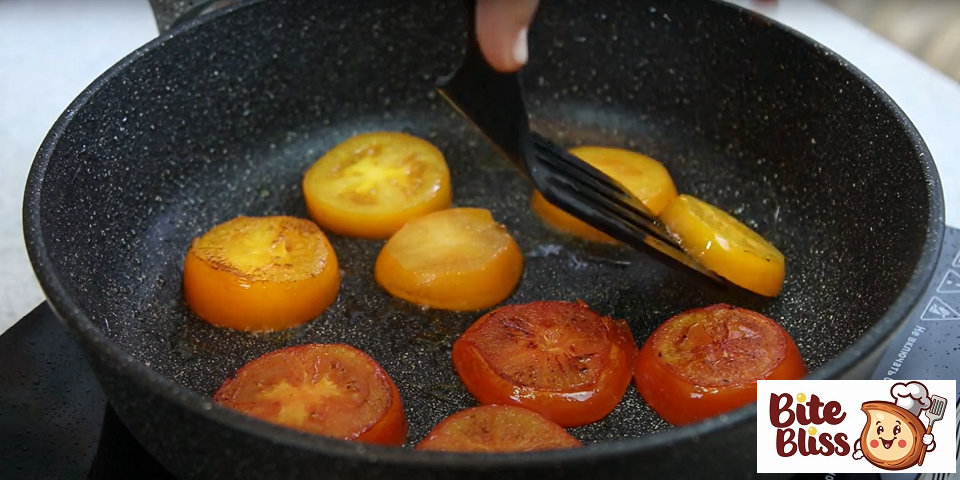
502	32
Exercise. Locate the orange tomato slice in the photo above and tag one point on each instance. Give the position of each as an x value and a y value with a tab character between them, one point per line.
562	221
373	183
707	361
497	428
724	245
261	273
559	359
644	177
333	390
458	259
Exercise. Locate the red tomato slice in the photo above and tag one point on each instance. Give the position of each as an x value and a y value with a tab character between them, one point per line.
707	361
497	428
333	390
559	359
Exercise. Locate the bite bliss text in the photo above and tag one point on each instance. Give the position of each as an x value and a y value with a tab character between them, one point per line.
796	426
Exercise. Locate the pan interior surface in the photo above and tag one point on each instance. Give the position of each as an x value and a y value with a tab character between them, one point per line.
224	118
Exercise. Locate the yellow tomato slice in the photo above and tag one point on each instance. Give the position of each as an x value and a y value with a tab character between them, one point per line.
458	259
261	273
725	245
562	221
371	184
644	177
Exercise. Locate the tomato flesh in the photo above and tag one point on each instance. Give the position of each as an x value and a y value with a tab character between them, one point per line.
725	245
458	259
559	359
497	428
707	361
371	184
645	178
261	273
333	390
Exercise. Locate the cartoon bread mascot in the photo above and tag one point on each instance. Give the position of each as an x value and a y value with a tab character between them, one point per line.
894	437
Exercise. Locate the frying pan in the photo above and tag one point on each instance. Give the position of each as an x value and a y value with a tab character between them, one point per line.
222	115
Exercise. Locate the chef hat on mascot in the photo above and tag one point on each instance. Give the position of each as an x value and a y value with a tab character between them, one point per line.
912	396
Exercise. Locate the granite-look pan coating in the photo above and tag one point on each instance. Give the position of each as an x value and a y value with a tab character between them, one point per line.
222	117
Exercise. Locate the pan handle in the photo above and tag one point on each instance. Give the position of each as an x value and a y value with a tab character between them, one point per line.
171	13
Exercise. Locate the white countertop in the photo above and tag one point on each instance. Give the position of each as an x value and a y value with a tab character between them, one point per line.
51	50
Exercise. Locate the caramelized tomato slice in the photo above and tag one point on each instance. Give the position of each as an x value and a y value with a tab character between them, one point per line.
458	259
334	390
725	245
644	177
707	361
261	273
373	183
559	359
497	428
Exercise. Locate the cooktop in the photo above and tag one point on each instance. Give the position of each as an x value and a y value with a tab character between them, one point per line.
55	422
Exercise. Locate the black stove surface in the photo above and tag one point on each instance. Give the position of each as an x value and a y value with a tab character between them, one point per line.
54	420
56	424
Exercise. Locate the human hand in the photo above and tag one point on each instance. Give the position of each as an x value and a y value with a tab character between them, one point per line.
502	32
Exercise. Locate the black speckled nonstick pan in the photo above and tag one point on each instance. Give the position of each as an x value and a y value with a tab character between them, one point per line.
221	116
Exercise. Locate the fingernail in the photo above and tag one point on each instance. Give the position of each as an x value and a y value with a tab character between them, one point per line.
520	52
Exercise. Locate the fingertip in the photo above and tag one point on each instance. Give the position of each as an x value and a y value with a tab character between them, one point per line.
520	50
502	32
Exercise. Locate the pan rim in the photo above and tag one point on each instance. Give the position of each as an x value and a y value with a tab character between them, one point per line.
83	328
